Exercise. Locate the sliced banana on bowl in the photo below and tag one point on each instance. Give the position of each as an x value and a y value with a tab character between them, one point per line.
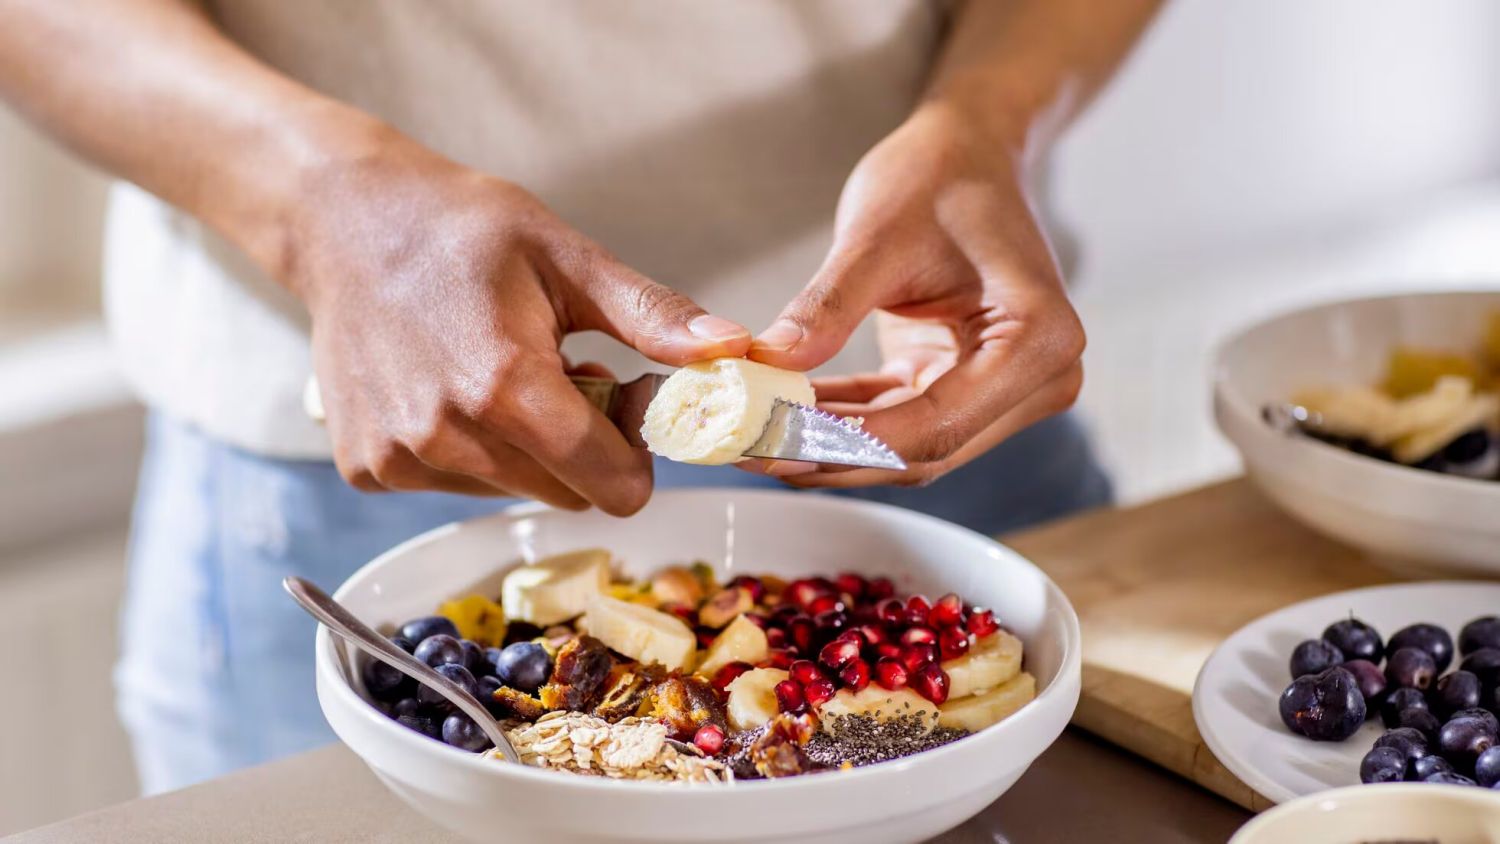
644	634
752	698
712	411
975	712
741	641
992	661
555	589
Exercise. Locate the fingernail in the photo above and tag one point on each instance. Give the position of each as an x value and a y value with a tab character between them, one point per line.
710	327
781	336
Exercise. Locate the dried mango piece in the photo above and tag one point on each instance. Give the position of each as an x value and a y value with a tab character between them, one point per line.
1490	349
477	618
1414	371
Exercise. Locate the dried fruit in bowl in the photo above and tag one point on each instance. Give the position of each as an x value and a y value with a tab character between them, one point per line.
579	675
477	618
1414	371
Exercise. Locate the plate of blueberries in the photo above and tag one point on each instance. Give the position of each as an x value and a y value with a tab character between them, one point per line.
1395	683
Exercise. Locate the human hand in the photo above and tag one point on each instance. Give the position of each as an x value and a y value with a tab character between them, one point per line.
439	297
934	229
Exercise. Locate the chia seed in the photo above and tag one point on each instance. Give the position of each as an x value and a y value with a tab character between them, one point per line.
864	740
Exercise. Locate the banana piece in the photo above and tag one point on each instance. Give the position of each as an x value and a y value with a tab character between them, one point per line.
1480	411
881	704
644	634
741	641
710	412
555	589
752	698
976	712
991	661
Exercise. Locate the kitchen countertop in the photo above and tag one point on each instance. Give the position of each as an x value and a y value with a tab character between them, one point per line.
1080	790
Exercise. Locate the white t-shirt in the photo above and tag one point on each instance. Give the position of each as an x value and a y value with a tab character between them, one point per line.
704	142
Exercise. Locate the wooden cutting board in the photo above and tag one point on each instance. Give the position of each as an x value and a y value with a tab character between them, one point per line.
1158	586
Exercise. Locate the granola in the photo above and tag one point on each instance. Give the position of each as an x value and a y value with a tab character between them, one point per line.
633	748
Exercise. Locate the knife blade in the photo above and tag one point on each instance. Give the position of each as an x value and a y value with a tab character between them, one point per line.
794	431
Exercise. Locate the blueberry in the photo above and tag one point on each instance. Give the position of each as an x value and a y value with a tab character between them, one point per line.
460	731
420	628
1371	682
1382	764
1459	690
1412	668
384	682
1462	740
1487	767
1469	455
1484	664
521	631
440	649
474	658
1429	765
1355	639
404	643
454	672
1324	707
523	666
405	706
426	725
1480	633
1313	656
485	691
1410	742
1449	778
1423	722
1427	637
1490	721
1399	701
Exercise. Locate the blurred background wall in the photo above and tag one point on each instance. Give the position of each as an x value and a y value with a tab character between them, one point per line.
1254	155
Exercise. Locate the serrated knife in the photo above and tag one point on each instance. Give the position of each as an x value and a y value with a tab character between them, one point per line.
794	431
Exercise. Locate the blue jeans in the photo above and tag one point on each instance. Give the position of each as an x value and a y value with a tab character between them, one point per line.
216	670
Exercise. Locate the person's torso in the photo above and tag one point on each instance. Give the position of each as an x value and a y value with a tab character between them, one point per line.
705	143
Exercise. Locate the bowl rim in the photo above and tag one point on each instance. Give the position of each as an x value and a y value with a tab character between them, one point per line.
1361	793
1234	401
1068	674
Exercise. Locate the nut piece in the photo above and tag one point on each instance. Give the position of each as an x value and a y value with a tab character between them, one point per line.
725	606
677	585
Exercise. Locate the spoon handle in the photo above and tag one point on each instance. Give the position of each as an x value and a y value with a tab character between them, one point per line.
338	619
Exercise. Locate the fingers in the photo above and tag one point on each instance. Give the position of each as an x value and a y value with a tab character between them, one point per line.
657	321
855	389
818	322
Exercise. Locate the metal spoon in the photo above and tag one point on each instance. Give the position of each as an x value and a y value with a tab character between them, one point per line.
335	617
1289	418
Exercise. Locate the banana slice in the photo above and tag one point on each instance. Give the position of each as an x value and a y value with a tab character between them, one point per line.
741	641
993	660
752	698
642	633
555	589
881	704
712	411
976	712
1480	411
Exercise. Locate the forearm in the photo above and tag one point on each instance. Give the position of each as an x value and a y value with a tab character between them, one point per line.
1024	68
151	91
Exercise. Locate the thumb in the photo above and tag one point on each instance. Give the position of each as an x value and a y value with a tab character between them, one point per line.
654	319
818	322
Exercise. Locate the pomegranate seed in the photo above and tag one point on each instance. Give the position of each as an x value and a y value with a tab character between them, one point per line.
880	588
804	592
776	638
801	630
888	649
728	672
753	585
851	583
855	674
818	692
824	604
953	642
831	620
838	652
890	673
916	656
706	636
709	739
917	608
891	611
931	682
789	696
873	634
784	613
758	619
919	636
804	671
947	612
779	658
982	622
682	611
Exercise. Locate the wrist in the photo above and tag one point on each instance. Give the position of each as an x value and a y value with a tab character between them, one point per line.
1001	113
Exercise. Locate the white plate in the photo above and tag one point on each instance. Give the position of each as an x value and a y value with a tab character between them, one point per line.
1234	700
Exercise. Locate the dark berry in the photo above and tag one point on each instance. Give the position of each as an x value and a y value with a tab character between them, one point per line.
1490	721
1484	664
1411	742
1382	764
460	731
1459	690
485	688
1427	637
1462	740
1397	702
1412	668
1449	778
524	666
521	631
424	724
1487	768
440	649
453	671
1326	706
405	706
419	629
386	683
1371	681
1479	633
1429	765
1355	639
404	643
1422	721
1314	656
474	659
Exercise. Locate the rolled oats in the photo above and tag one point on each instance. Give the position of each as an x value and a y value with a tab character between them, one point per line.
633	748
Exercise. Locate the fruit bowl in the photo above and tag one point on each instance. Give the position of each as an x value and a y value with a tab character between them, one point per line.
1410	519
783	533
1392	812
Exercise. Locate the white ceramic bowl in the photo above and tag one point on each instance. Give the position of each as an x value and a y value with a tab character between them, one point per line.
1391	812
1411	519
785	533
